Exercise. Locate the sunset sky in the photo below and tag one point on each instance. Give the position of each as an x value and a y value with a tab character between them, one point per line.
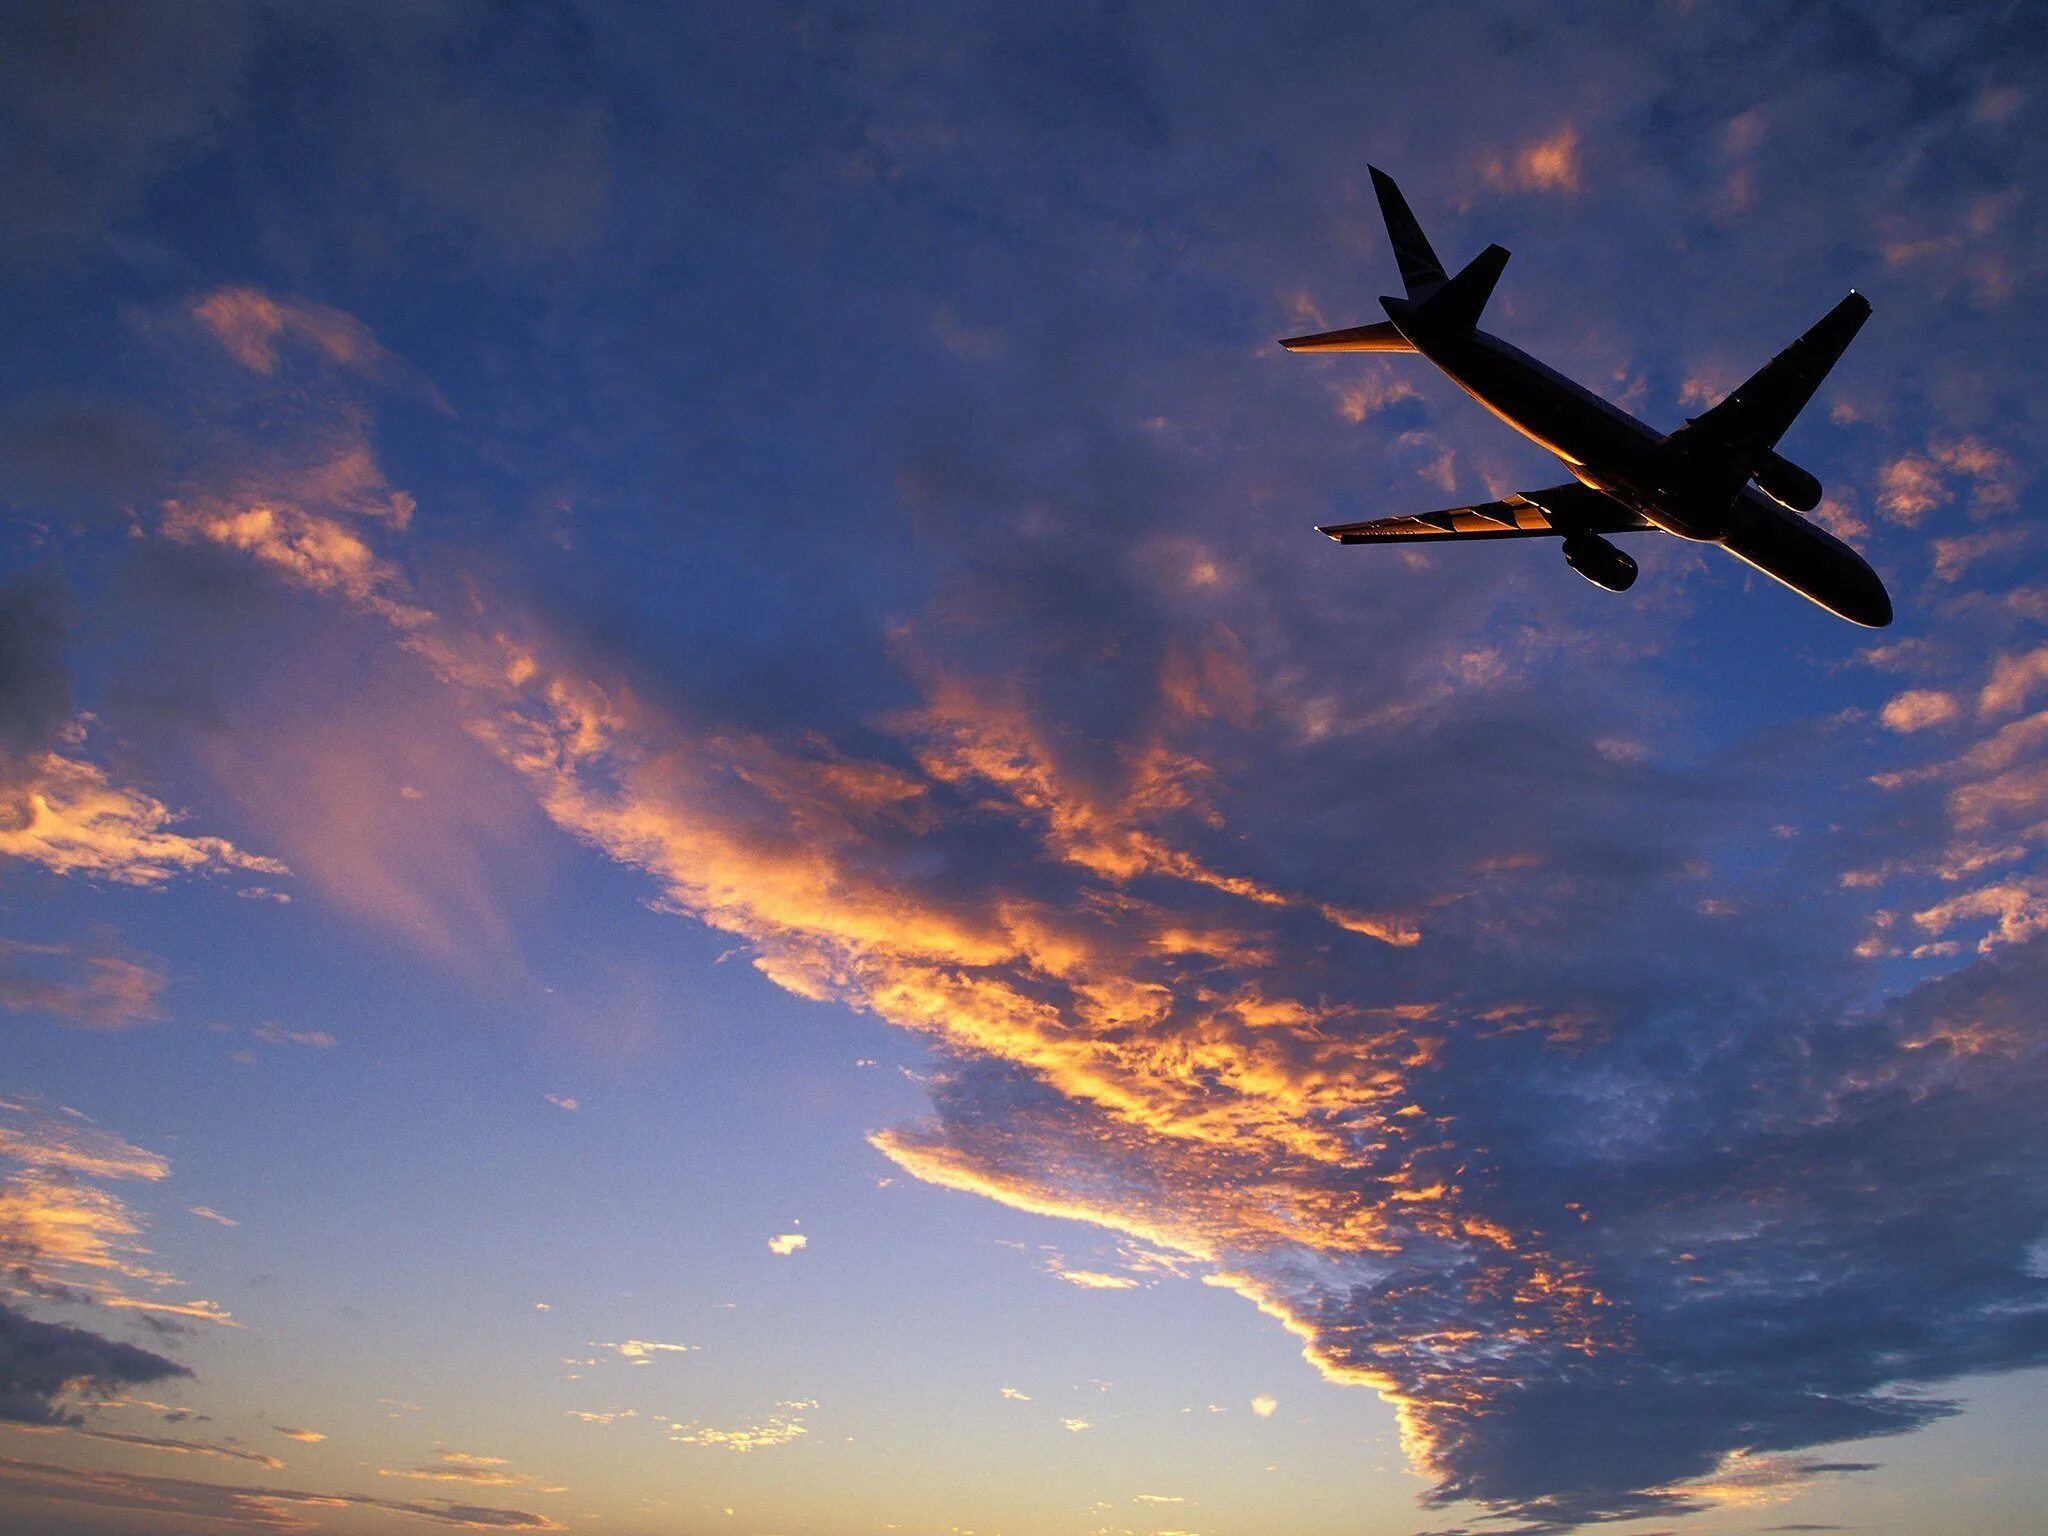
693	840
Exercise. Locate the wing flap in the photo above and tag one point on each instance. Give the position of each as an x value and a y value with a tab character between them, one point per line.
1548	513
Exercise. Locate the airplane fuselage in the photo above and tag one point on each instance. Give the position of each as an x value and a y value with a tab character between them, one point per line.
1609	450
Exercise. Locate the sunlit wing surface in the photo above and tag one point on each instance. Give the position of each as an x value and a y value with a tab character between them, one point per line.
1554	512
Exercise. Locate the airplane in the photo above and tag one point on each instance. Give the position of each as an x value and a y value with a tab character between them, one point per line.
1716	480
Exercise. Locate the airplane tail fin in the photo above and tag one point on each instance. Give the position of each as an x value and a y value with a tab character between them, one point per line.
1459	301
1421	272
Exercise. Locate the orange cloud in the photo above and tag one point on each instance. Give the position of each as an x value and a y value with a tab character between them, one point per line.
1918	708
60	1233
1547	165
1228	1117
76	822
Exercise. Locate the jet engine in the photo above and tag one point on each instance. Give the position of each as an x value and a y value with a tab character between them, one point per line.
1787	484
1599	562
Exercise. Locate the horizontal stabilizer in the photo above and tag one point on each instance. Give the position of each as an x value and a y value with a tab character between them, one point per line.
1550	513
1380	337
1458	303
1421	273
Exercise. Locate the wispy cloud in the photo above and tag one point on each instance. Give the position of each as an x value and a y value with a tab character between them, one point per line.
92	988
241	1507
463	1467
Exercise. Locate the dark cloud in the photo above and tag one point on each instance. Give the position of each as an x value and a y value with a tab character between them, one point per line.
97	98
42	1364
84	459
35	684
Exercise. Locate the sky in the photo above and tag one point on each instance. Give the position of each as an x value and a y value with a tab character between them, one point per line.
693	840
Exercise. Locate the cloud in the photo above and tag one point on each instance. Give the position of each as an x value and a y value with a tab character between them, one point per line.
643	1351
783	1427
171	1446
788	1243
240	1507
1094	1279
1917	483
43	1365
96	106
2015	676
562	1102
106	988
303	1436
74	821
277	1034
82	458
1546	165
208	1213
481	1471
1265	1407
1918	708
66	1239
1465	1155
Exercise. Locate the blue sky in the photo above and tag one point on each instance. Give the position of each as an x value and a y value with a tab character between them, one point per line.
627	637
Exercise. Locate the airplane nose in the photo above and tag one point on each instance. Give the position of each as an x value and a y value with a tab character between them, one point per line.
1871	605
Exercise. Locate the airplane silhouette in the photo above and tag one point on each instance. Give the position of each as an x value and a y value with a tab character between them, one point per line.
1695	482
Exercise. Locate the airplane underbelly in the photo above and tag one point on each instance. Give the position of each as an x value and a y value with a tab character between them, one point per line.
1809	560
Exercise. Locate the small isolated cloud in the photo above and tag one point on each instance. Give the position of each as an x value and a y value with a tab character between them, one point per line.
782	1427
208	1213
277	1034
788	1243
1917	709
1265	1406
610	1416
2014	678
1095	1280
1077	1426
642	1351
1161	1498
1548	165
561	1101
303	1436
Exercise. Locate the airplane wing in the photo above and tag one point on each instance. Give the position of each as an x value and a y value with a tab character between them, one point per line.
1550	513
1755	416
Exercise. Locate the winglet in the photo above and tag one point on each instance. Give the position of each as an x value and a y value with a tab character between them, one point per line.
1421	272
